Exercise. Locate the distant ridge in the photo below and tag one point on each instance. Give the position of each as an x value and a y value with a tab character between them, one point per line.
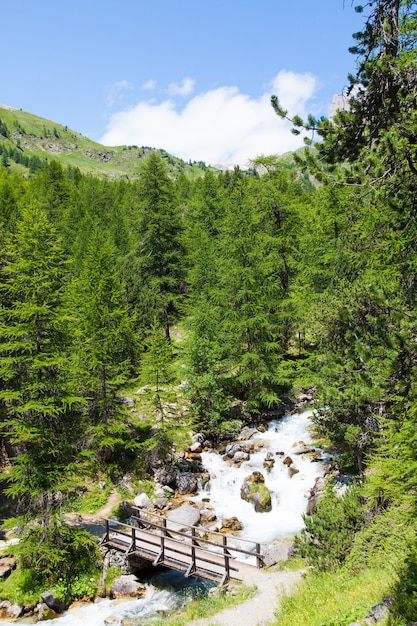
26	139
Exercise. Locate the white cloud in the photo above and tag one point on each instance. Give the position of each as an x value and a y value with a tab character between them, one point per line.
219	126
184	89
116	91
149	85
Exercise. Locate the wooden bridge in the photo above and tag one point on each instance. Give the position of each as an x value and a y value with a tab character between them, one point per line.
183	548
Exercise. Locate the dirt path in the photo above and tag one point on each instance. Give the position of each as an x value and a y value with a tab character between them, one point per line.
259	609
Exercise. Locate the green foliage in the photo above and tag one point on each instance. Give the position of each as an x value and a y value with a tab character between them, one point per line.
329	532
61	555
335	598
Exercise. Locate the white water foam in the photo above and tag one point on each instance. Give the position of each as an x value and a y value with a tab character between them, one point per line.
289	494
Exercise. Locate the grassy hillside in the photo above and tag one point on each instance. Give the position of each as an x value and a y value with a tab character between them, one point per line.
24	138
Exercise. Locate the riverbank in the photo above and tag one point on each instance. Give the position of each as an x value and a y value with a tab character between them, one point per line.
258	610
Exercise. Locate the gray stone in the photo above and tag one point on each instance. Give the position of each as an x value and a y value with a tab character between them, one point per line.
127	586
246	433
186	483
142	501
179	519
231	450
198	438
53	603
241	456
196	448
278	552
7	564
166	475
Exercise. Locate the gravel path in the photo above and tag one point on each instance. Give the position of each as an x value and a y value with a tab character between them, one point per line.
259	609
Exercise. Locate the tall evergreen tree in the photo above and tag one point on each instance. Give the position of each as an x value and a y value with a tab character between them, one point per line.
42	414
155	269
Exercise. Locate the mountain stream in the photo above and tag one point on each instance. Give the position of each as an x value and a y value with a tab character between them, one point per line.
285	437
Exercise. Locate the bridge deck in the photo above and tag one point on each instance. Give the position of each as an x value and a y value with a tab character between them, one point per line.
182	550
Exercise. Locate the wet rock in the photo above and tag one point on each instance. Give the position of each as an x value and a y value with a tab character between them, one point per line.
186	482
53	603
231	450
246	433
288	461
7	609
196	447
292	471
248	446
255	491
198	438
269	461
232	523
127	586
44	612
241	456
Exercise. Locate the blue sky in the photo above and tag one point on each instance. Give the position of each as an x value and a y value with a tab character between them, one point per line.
194	78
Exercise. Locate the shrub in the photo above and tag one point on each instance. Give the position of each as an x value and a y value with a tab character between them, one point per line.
329	532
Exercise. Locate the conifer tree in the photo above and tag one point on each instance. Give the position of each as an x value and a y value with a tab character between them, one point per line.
104	344
42	414
155	268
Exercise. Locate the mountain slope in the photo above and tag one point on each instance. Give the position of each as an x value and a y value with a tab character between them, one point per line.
26	140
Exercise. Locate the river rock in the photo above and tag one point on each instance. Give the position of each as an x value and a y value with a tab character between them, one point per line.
231	450
142	501
53	603
7	564
179	519
232	523
278	552
166	475
45	613
127	586
186	483
196	448
240	456
198	438
288	461
255	491
246	433
7	609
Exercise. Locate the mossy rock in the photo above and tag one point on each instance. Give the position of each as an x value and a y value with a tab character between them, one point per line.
256	492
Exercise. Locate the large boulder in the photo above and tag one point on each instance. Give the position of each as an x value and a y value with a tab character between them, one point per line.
186	483
166	475
278	552
255	491
127	586
179	519
142	501
53	603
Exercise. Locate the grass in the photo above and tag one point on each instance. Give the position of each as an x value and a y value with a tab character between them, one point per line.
205	605
335	598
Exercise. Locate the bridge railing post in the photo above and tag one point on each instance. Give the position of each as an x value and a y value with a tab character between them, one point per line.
163	535
226	558
259	561
106	537
193	544
133	548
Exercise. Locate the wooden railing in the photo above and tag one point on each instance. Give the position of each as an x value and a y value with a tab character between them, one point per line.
185	549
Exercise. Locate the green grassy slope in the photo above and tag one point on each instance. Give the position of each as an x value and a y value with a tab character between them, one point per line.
35	136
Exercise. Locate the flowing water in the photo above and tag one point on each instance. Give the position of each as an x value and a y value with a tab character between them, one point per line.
289	493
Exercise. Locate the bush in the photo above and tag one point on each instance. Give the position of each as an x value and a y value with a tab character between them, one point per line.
329	532
60	555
